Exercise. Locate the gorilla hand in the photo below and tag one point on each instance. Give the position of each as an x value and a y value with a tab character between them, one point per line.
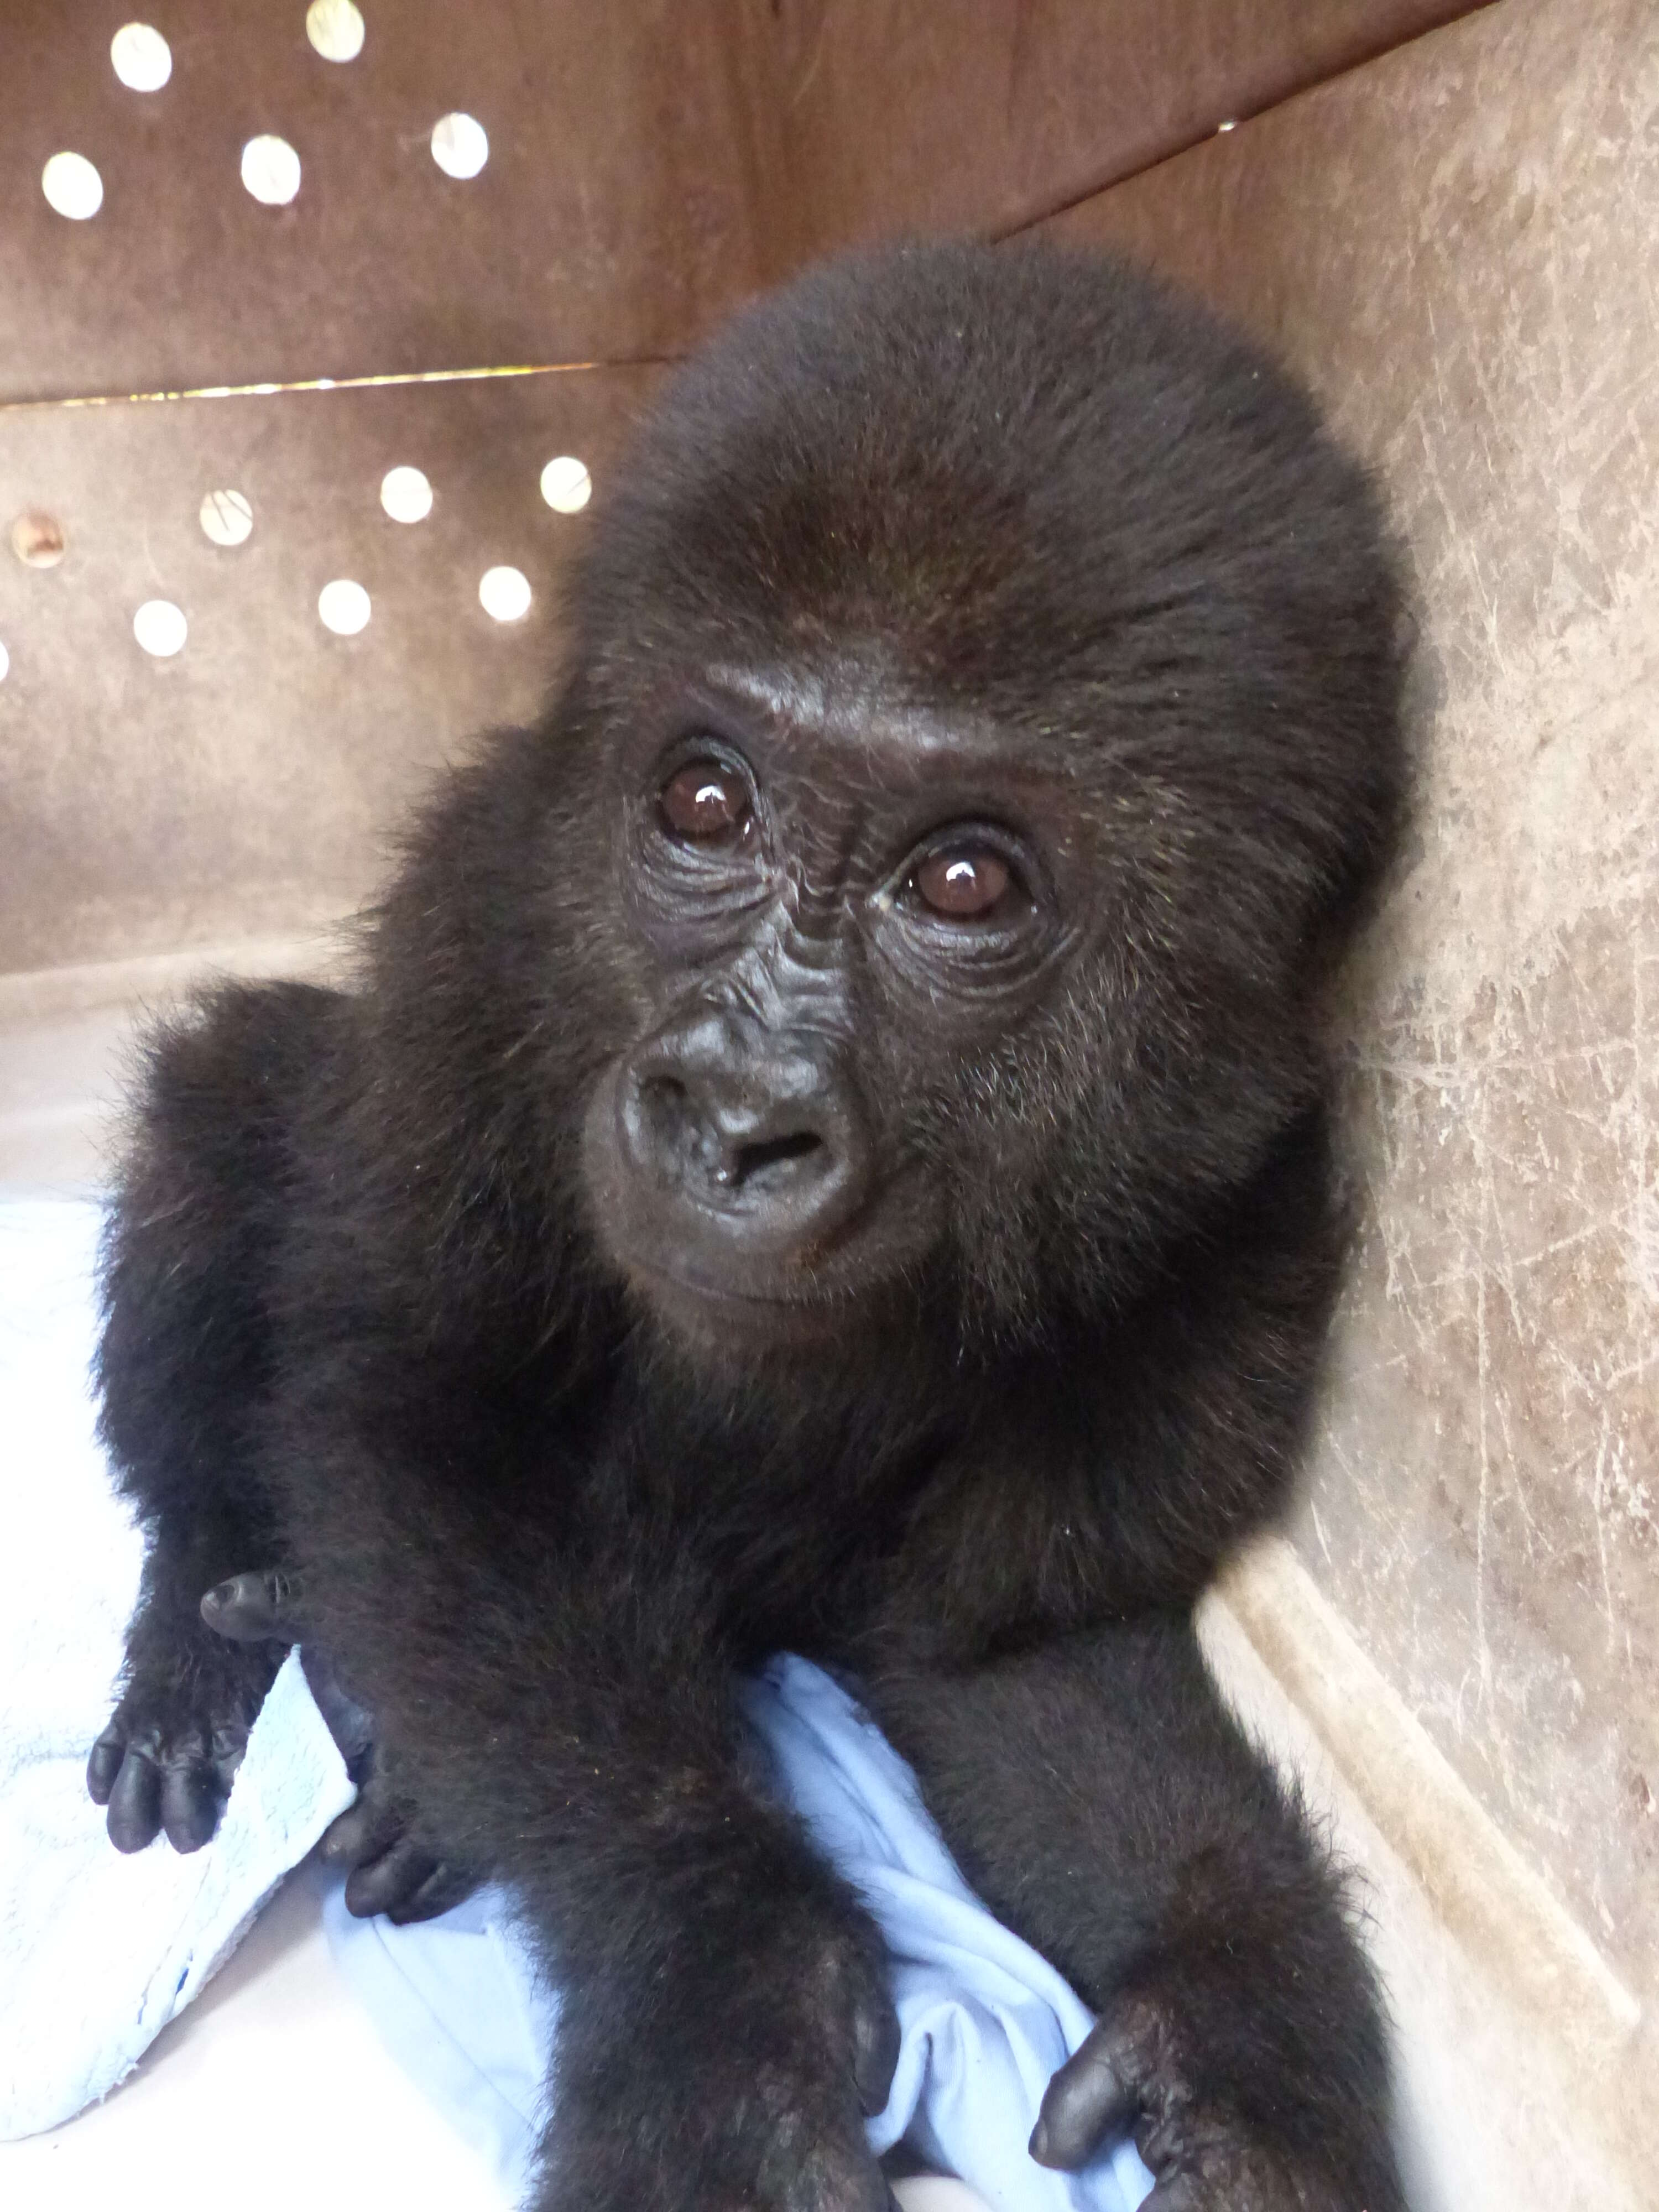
390	1871
168	1758
749	2085
1137	2073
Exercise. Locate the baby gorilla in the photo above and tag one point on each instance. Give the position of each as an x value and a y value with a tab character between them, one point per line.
827	1152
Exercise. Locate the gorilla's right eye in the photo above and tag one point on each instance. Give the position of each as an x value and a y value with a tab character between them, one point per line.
706	803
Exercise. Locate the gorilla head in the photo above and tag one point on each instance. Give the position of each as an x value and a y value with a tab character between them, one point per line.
983	698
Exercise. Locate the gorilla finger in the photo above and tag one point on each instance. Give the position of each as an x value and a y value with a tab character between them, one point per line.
228	1750
1091	2096
189	1799
254	1608
363	1832
351	1725
1176	2191
445	1886
104	1764
385	1883
876	2191
135	1803
864	2186
1201	2158
875	2053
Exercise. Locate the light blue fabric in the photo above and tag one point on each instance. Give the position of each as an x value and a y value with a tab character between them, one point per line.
97	1953
984	2022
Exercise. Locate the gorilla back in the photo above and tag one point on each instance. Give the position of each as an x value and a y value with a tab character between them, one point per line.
827	1151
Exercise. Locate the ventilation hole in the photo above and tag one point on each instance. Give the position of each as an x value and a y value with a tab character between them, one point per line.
38	539
405	494
505	593
72	187
566	484
227	517
335	28
5	663
160	627
460	145
344	607
270	170
143	58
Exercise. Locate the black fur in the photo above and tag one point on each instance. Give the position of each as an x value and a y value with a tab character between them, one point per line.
682	1246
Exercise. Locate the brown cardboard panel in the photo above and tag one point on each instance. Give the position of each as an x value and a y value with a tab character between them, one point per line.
613	218
1459	245
249	784
984	114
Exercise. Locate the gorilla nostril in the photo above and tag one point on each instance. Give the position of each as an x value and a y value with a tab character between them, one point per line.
749	1160
667	1104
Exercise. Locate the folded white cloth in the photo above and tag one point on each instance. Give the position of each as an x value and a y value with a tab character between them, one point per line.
99	1951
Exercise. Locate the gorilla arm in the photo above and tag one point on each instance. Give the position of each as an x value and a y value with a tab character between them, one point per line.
1036	1665
1101	1800
184	1367
558	1716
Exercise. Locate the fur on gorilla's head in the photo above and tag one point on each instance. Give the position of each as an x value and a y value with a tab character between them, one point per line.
973	551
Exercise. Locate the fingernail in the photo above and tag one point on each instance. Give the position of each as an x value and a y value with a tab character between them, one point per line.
1039	2143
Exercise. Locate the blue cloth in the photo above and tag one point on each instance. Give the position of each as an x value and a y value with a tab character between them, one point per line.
984	2021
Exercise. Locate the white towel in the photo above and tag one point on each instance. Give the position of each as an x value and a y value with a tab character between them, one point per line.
99	1951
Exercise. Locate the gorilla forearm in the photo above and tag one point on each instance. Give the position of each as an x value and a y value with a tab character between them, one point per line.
566	1722
560	1712
186	1370
1122	1824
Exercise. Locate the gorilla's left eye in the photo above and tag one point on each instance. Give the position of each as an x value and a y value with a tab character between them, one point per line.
963	883
706	803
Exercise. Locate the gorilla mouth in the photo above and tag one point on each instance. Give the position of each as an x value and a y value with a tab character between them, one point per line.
854	1284
758	1296
719	1317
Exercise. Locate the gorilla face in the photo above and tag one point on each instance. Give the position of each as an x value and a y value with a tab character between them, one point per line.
841	907
974	737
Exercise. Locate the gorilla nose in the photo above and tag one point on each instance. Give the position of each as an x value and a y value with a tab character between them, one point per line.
759	1127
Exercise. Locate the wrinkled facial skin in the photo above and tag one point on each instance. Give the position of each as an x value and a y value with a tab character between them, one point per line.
968	744
837	904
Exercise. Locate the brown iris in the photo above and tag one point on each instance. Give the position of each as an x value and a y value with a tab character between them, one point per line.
705	801
963	885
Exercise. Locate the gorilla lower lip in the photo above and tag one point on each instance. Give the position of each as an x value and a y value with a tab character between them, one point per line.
749	1313
760	1301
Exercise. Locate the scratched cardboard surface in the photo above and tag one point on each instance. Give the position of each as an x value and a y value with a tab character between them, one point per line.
613	218
1457	246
